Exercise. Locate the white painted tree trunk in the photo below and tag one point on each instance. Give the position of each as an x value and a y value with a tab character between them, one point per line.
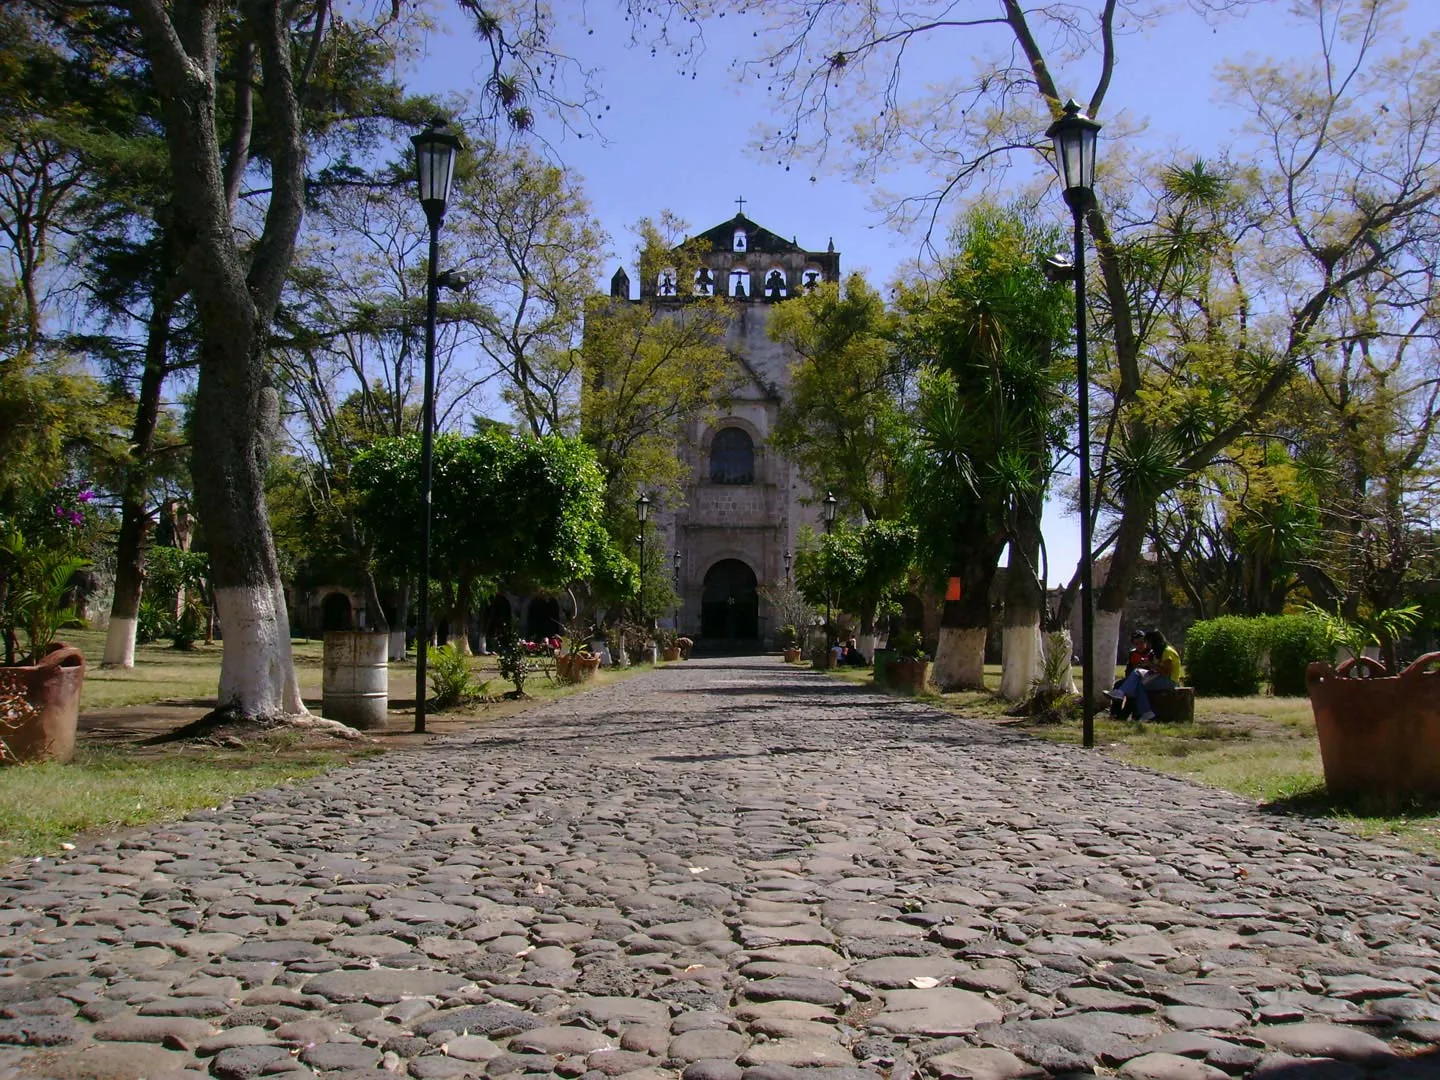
1067	648
120	642
1107	645
257	669
1020	660
960	659
866	644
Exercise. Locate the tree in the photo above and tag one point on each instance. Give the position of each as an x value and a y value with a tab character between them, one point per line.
858	570
989	420
844	421
536	256
238	274
547	492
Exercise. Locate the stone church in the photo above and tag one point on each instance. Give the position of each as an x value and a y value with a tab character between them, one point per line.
745	504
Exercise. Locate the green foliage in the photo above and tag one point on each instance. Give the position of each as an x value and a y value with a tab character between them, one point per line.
1222	656
844	419
1293	642
451	682
1384	627
37	589
506	507
908	645
857	569
515	663
789	636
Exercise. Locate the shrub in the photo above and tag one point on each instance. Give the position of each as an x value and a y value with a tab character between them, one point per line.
1222	656
449	674
1294	642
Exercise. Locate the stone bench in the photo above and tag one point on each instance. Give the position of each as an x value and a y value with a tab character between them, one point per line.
1175	706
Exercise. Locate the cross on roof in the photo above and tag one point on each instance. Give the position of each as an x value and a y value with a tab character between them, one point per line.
741	203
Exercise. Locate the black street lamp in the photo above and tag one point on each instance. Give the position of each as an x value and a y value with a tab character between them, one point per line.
435	151
830	504
1074	135
787	566
677	591
642	512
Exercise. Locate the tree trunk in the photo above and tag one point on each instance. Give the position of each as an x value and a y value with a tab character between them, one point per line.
460	616
1022	647
134	522
1110	601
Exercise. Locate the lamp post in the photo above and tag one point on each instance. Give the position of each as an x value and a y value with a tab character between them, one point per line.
677	592
434	168
642	512
830	504
1074	135
787	566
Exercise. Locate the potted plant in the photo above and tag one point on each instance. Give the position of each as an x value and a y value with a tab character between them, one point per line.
574	662
685	645
790	643
909	669
669	642
1379	734
39	698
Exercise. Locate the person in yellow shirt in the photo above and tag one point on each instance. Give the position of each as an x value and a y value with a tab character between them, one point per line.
1164	673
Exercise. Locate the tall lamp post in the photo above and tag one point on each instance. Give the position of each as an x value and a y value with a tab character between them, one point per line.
787	566
677	591
642	512
1074	135
434	168
830	504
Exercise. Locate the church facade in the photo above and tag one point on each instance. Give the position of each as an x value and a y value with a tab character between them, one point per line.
745	503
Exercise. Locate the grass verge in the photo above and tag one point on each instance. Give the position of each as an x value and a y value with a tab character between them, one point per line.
42	807
1262	748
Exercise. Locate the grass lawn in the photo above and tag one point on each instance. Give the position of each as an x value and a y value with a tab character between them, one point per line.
119	779
1263	748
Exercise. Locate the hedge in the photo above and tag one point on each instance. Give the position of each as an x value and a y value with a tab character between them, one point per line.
1232	655
1222	656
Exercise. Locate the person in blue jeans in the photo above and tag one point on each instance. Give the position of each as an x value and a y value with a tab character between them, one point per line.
1164	673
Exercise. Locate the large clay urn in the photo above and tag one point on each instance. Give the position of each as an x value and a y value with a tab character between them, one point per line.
1379	736
52	688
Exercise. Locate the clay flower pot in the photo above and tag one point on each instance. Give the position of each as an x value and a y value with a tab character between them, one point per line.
792	655
575	667
52	689
671	654
908	675
1379	736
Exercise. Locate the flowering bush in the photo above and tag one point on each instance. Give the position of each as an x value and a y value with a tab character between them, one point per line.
15	709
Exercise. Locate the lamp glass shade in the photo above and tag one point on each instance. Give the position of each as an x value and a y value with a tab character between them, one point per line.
1074	136
830	504
435	164
642	508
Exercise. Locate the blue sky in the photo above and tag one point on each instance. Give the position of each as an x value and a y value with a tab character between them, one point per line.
681	143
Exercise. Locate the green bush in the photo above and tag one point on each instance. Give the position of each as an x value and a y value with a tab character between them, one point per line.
449	674
1294	642
1222	656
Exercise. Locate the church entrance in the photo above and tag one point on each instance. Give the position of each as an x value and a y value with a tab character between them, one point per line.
729	604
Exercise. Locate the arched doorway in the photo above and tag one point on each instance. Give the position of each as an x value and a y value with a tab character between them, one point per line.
497	618
542	620
729	604
335	612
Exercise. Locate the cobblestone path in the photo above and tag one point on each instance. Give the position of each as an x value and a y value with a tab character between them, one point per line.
728	870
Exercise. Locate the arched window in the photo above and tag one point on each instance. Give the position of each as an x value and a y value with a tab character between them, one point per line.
665	282
812	277
775	286
704	282
732	457
740	283
740	239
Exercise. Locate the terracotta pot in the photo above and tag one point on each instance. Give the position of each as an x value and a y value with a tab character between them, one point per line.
672	654
910	676
1379	736
52	688
792	656
575	669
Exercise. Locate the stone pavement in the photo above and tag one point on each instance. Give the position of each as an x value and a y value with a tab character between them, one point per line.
727	870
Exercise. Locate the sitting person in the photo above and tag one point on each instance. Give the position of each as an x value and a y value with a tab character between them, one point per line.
852	656
1164	673
1139	658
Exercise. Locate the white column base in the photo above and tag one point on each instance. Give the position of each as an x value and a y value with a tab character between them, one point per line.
257	669
960	659
1021	659
866	644
120	642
